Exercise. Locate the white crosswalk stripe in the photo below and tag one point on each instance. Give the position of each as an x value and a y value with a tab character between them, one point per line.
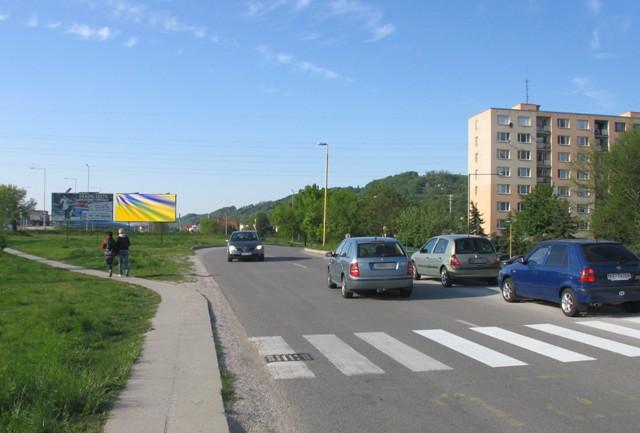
281	370
633	319
588	339
616	329
468	348
342	356
402	353
537	346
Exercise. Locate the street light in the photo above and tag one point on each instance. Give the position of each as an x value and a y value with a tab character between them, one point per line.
44	196
326	185
75	183
88	177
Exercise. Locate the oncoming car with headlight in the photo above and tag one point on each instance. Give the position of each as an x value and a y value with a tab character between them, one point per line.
245	244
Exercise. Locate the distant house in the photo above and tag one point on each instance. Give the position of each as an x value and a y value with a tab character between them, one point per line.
38	218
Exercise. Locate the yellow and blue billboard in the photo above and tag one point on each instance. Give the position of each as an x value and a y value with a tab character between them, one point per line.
156	208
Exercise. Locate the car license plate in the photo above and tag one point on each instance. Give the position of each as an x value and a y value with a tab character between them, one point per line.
619	277
246	254
478	261
384	266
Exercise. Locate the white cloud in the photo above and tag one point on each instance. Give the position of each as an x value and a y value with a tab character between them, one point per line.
601	97
54	25
595	40
298	65
301	4
90	33
372	18
594	6
32	21
131	42
4	17
257	8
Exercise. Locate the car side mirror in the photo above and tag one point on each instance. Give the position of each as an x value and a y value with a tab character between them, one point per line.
522	259
329	254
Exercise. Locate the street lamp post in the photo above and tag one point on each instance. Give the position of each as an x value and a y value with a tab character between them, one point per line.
75	183
326	186
44	196
86	228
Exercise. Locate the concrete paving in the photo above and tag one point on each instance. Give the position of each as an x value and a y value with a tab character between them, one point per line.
175	385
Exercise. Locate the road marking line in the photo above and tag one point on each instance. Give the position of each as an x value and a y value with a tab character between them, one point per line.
537	346
464	322
633	319
343	356
281	370
588	339
616	329
468	348
401	353
299	265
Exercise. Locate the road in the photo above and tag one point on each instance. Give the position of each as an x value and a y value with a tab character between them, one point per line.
445	360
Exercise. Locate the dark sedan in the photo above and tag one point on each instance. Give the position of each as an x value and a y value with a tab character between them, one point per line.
576	274
245	244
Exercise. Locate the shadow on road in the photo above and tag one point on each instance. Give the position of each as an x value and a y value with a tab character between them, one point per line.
285	259
433	292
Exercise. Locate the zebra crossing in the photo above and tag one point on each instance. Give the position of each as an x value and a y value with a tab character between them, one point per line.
348	361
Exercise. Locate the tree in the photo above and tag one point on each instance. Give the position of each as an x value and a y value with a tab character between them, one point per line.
416	224
544	216
617	216
13	204
262	224
475	221
379	207
342	213
309	208
285	219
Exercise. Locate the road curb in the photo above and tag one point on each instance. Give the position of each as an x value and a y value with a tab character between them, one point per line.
313	251
174	386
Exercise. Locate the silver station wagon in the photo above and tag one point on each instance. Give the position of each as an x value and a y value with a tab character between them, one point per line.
452	257
370	263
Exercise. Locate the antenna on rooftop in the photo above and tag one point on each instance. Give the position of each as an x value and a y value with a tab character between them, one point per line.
526	90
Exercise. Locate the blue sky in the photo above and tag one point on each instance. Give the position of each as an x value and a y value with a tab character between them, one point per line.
224	102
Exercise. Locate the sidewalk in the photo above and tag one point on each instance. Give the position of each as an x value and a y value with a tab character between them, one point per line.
175	384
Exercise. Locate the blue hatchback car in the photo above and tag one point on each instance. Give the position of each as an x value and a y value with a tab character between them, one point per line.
576	274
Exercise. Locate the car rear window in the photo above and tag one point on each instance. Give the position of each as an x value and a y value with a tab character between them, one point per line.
602	253
380	249
246	236
474	246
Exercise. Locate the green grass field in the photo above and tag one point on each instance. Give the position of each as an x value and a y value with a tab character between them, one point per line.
68	343
150	255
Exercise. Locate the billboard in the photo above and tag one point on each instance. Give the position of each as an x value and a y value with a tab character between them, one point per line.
81	207
158	208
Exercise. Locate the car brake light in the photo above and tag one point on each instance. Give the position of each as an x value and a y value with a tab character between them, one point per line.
587	275
354	270
455	261
410	268
498	260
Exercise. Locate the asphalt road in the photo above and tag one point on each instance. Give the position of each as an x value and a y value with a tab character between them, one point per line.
384	363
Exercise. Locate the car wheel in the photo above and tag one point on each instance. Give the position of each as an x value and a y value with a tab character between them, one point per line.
631	307
330	283
509	290
569	303
445	278
416	274
346	293
406	292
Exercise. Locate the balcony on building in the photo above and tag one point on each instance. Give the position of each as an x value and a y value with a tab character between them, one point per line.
601	128
543	142
601	144
543	125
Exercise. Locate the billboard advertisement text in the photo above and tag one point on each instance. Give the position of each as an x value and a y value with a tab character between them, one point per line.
81	207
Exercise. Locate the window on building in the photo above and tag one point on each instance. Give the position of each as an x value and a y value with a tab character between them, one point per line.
524	121
475	141
524	189
524	137
620	126
564	140
583	157
583	141
582	175
583	225
562	191
582	208
520	206
564	173
582	124
476	123
503	154
504	137
502	224
504	206
524	172
476	158
503	119
504	171
563	157
583	192
524	155
563	123
504	188
475	190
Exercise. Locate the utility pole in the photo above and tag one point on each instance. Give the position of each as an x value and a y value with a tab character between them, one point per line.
88	189
326	186
450	202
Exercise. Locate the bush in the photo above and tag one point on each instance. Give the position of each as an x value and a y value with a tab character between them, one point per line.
3	239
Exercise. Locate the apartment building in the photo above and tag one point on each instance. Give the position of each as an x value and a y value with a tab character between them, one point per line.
512	150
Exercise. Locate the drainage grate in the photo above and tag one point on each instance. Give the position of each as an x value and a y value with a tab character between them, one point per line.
288	357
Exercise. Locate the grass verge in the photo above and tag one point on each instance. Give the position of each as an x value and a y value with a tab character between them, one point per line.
68	343
151	256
